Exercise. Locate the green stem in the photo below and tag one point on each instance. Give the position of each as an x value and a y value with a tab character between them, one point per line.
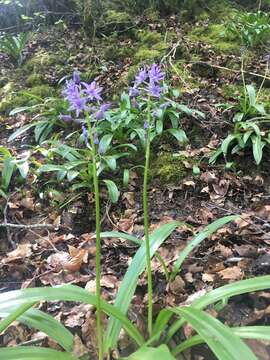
98	241
146	225
243	80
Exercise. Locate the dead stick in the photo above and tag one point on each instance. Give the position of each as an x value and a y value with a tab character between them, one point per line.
33	226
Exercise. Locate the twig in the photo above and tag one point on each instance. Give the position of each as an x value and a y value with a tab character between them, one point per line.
46	239
31	226
227	69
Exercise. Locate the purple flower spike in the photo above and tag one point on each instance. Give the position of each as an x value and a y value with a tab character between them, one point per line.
100	114
133	92
93	91
66	118
155	74
141	77
76	77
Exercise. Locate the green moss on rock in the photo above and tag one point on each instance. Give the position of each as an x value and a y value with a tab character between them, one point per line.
167	168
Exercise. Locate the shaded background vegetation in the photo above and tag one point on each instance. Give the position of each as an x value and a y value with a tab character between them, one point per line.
18	14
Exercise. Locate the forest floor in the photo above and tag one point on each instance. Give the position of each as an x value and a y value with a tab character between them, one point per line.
65	251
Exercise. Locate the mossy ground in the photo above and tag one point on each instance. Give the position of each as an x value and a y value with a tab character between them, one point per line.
216	36
26	97
168	168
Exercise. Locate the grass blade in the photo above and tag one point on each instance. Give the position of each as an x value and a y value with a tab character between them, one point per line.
220	338
129	283
209	230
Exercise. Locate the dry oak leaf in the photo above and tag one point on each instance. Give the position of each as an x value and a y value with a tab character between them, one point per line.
78	257
21	252
232	273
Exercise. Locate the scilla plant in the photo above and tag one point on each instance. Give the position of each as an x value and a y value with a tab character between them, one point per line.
156	342
251	123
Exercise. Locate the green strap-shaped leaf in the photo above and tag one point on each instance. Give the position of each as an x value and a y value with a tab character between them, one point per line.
129	283
113	190
224	292
245	332
220	338
120	235
38	320
209	230
11	316
33	353
251	95
67	293
54	329
257	147
147	353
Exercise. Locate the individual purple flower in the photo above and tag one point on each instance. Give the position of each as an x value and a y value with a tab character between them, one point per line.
66	118
155	74
70	89
134	103
133	92
141	77
100	114
154	90
85	134
267	59
145	125
76	77
77	103
92	91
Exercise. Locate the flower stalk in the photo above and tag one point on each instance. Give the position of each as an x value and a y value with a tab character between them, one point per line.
98	240
146	224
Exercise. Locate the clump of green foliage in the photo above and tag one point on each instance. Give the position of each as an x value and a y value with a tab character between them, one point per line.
251	125
251	28
144	124
14	46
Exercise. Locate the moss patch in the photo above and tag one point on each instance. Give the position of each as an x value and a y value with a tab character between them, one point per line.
41	60
167	168
215	35
27	97
34	80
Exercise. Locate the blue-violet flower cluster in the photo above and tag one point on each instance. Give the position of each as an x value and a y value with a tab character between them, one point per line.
149	81
81	97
